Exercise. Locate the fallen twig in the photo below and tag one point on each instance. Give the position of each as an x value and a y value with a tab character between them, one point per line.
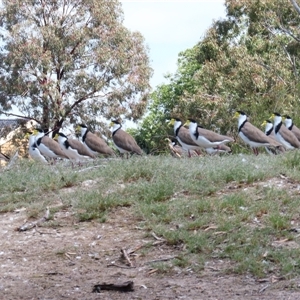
152	271
264	288
156	237
30	225
131	251
125	255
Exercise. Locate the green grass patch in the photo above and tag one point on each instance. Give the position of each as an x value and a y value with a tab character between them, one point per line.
233	207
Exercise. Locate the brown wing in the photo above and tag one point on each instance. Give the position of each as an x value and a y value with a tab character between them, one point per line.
185	137
54	146
213	136
256	134
125	141
289	136
97	144
296	131
81	149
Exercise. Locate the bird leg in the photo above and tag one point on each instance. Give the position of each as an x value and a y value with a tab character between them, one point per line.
255	151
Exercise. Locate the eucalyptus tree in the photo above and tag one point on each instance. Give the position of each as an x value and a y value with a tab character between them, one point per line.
70	60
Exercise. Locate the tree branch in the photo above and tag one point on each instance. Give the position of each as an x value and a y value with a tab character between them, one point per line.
296	6
19	116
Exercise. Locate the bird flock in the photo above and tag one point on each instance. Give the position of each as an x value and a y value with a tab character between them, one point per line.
280	134
42	148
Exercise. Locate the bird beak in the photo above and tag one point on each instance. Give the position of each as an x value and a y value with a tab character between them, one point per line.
236	115
56	137
187	123
172	121
263	124
272	117
77	129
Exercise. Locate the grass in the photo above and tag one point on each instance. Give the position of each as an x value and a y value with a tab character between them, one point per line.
237	208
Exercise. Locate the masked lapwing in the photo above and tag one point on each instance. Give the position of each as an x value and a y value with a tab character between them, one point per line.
218	149
94	143
206	138
284	135
47	146
33	150
250	134
289	124
269	131
182	134
4	157
74	149
123	141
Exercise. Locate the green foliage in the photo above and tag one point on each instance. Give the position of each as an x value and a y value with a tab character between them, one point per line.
248	61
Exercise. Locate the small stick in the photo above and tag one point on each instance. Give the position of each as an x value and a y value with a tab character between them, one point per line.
264	288
135	249
124	253
156	237
30	225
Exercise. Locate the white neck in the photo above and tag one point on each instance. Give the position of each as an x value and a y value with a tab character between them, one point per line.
192	127
277	120
241	120
115	127
39	135
31	140
288	123
177	124
269	126
83	130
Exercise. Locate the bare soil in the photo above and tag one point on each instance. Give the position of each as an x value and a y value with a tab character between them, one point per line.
67	260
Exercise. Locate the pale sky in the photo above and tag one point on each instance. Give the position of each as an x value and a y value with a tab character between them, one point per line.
170	27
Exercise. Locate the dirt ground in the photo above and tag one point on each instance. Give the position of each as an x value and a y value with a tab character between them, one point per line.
66	261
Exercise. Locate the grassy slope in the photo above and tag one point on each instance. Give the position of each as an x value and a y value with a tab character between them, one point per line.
240	208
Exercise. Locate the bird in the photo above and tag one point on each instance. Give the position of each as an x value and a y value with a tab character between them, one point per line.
4	157
250	134
284	135
176	150
270	133
74	149
289	124
123	141
182	134
218	149
94	143
33	150
47	146
206	138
